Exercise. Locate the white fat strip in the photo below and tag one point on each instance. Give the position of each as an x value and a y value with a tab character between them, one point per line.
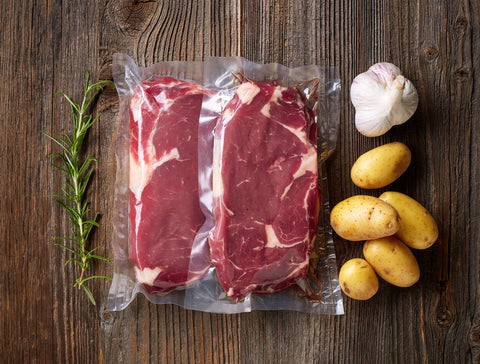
135	106
147	275
138	217
247	92
188	88
217	181
227	115
272	239
141	173
299	133
299	267
230	212
162	101
313	186
242	182
236	267
165	102
277	93
309	163
309	159
285	191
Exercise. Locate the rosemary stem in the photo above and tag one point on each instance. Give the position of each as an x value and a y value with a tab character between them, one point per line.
78	197
78	173
80	224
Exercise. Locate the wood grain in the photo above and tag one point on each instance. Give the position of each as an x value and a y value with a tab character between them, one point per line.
44	47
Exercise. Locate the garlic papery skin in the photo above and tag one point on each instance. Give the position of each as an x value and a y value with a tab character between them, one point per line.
382	98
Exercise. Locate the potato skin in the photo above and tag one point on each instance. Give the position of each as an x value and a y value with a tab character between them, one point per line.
364	217
358	279
381	166
417	227
392	260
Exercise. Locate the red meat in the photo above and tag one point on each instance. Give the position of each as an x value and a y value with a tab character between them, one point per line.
264	189
165	214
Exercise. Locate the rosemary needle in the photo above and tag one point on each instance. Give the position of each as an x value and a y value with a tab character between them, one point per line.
78	171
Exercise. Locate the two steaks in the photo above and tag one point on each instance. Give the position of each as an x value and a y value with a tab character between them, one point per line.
265	198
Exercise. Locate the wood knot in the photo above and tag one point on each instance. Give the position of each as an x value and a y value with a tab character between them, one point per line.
443	316
475	335
107	99
106	58
431	53
461	24
131	17
106	317
461	74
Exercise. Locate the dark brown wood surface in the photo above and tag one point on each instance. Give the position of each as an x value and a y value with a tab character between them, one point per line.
44	48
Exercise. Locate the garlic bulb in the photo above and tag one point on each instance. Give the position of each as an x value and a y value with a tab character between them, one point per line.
382	98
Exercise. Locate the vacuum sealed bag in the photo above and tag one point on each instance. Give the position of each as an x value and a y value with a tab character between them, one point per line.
157	210
225	206
259	180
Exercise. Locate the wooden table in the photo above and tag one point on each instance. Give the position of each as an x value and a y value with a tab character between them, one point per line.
44	48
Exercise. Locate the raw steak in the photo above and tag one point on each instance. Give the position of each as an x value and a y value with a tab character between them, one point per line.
264	190
164	206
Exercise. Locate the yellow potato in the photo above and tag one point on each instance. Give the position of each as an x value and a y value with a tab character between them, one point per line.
358	279
417	227
364	217
392	260
381	166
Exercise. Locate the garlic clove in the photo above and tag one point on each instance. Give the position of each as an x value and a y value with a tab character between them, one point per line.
382	98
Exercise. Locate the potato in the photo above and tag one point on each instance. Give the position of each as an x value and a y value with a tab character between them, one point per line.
417	227
392	260
358	279
381	166
364	217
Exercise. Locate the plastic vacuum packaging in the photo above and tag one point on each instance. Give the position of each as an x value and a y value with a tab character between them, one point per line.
221	198
263	188
157	211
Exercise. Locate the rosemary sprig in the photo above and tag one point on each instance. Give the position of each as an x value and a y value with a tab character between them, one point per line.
78	171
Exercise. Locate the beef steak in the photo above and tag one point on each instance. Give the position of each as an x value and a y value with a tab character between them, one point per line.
265	194
164	214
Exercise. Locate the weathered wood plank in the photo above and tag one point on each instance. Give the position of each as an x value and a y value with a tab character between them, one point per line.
26	64
75	321
44	47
